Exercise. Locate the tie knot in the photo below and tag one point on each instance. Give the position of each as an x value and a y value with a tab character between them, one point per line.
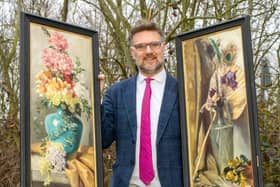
148	80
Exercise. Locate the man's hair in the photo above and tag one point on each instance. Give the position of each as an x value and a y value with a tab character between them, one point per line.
144	25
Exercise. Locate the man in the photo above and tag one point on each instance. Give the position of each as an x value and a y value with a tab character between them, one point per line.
142	115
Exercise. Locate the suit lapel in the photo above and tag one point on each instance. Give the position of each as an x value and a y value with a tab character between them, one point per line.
167	105
130	103
169	98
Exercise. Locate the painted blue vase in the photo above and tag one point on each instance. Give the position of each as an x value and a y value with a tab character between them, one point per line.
65	128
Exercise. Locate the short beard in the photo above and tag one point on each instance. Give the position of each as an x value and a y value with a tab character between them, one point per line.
154	71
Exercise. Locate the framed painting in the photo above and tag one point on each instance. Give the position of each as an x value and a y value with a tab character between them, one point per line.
60	105
218	111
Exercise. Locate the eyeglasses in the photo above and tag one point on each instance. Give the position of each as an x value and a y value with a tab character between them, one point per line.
143	46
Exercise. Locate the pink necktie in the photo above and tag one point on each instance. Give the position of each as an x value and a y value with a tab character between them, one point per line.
146	164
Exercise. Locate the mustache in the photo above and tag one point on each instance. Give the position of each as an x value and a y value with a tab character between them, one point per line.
150	56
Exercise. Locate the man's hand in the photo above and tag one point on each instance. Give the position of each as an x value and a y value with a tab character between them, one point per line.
101	78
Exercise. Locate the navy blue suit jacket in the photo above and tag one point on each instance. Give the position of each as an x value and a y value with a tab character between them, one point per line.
119	124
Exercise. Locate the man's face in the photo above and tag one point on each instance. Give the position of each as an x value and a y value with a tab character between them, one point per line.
148	50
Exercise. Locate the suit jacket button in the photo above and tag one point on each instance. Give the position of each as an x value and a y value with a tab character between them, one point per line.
132	162
133	142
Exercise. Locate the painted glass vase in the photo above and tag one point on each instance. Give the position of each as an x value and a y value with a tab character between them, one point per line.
222	140
65	128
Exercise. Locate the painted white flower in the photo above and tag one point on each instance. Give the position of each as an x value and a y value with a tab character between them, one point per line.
54	160
55	154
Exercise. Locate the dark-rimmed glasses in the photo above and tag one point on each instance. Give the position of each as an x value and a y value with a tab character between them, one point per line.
143	46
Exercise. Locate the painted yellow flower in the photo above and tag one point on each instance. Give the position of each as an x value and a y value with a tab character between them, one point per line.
58	90
242	183
45	166
230	176
55	99
243	177
73	103
48	180
236	177
237	171
234	163
42	79
55	85
45	170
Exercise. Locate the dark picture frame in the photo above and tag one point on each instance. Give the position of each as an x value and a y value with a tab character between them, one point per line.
218	106
60	104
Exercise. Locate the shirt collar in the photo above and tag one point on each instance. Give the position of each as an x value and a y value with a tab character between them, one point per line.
160	77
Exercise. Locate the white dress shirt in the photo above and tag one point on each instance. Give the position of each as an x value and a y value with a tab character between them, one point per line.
157	86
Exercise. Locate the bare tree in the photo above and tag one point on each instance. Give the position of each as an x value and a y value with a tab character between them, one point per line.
113	20
9	82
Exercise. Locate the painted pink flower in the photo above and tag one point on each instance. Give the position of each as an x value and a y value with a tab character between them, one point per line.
57	61
69	80
58	41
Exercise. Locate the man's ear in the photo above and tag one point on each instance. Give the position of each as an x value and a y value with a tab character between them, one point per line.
164	46
132	51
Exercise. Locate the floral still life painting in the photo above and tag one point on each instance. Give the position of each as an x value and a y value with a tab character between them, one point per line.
217	123
62	141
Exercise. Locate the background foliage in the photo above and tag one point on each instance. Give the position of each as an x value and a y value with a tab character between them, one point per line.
113	19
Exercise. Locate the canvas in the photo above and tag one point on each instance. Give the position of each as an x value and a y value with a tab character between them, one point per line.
218	115
60	101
